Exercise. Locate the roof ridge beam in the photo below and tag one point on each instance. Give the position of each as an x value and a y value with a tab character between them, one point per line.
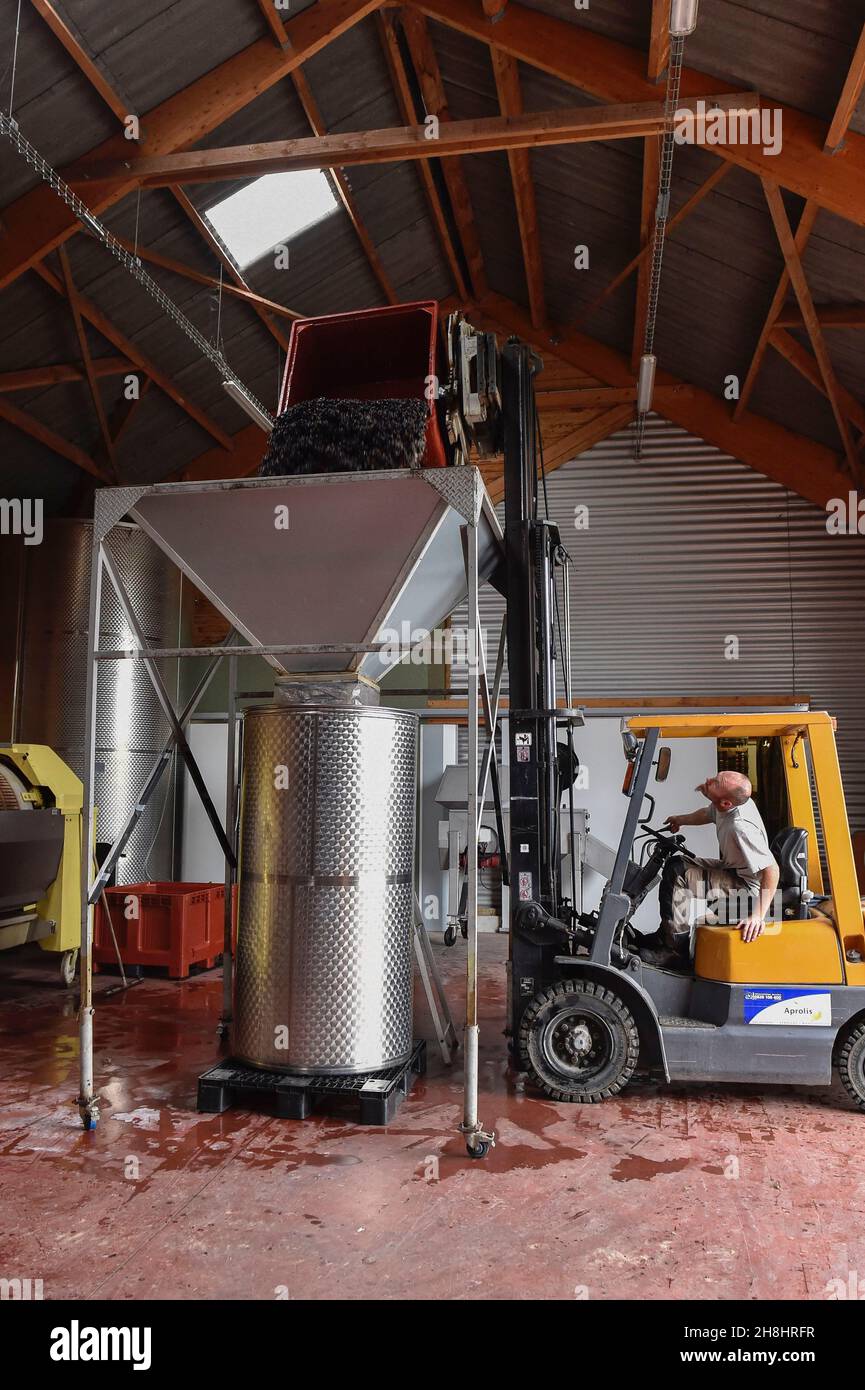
613	72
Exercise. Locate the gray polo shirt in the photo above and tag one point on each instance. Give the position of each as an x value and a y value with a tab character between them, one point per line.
743	841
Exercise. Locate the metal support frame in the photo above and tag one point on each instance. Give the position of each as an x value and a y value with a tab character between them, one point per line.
467	495
478	1140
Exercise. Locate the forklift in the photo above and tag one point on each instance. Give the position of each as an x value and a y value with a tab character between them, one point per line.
585	1011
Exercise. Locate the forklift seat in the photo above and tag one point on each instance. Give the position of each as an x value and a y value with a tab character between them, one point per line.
790	850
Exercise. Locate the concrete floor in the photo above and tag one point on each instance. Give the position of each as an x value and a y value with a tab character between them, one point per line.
662	1193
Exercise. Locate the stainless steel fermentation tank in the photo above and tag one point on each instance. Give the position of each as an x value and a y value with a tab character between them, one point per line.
326	888
131	728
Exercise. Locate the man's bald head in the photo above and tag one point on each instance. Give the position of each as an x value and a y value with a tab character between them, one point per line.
726	790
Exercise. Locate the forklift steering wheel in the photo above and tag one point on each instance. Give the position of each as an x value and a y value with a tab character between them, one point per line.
669	841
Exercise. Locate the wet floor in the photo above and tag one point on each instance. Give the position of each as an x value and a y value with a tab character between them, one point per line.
711	1193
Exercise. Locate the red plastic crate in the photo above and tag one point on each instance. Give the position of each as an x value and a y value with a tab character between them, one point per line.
367	355
175	925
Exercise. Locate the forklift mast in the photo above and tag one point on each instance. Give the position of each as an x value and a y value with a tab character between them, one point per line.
534	633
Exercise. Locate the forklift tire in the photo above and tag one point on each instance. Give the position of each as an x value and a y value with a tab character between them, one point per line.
851	1065
579	1042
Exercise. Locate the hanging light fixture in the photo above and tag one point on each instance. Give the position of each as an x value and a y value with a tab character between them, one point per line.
246	402
683	21
683	18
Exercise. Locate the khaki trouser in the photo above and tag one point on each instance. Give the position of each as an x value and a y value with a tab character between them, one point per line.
693	893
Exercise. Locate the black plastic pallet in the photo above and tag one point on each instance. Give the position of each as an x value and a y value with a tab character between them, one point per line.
377	1094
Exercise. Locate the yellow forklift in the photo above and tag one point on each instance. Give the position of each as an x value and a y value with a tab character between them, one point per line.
587	1011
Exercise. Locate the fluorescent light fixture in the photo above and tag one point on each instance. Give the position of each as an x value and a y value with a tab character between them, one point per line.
683	18
646	384
237	394
270	211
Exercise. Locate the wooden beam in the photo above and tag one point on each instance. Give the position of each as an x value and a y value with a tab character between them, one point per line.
830	316
205	231
405	101
562	126
801	464
38	221
432	87
104	325
803	231
275	23
31	378
249	449
189	273
126	412
510	96
343	187
86	358
590	397
28	424
82	59
659	40
849	99
808	366
642	256
614	72
793	263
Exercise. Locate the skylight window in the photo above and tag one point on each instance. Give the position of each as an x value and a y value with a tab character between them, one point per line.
270	211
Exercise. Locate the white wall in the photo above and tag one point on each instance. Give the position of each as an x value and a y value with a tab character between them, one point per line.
201	859
599	748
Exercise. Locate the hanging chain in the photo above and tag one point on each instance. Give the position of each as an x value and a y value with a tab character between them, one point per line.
11	130
662	210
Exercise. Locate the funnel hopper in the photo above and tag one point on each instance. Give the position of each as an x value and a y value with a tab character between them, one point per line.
328	559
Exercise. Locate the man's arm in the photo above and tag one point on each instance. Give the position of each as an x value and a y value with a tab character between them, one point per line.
752	927
701	817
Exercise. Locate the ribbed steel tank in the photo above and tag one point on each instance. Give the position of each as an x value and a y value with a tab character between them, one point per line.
131	728
326	882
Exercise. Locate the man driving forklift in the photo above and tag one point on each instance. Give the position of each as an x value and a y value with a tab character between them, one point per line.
736	889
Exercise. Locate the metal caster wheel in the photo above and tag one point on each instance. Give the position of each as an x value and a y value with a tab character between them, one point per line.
68	967
480	1151
450	936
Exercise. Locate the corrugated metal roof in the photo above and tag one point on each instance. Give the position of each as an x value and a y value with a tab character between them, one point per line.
721	266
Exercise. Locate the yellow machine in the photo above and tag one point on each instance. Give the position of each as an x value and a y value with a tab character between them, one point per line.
784	1008
41	802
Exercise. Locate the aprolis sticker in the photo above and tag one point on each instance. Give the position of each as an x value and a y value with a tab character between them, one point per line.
812	1007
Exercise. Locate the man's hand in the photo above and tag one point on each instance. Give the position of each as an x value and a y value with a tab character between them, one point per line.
751	928
674	824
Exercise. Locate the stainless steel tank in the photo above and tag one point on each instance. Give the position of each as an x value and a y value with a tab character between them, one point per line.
326	883
130	726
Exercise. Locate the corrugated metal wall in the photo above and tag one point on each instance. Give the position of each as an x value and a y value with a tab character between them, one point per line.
688	549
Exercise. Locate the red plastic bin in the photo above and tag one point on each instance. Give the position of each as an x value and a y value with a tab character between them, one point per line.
367	355
175	925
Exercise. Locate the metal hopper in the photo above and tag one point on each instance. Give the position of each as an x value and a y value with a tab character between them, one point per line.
329	559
